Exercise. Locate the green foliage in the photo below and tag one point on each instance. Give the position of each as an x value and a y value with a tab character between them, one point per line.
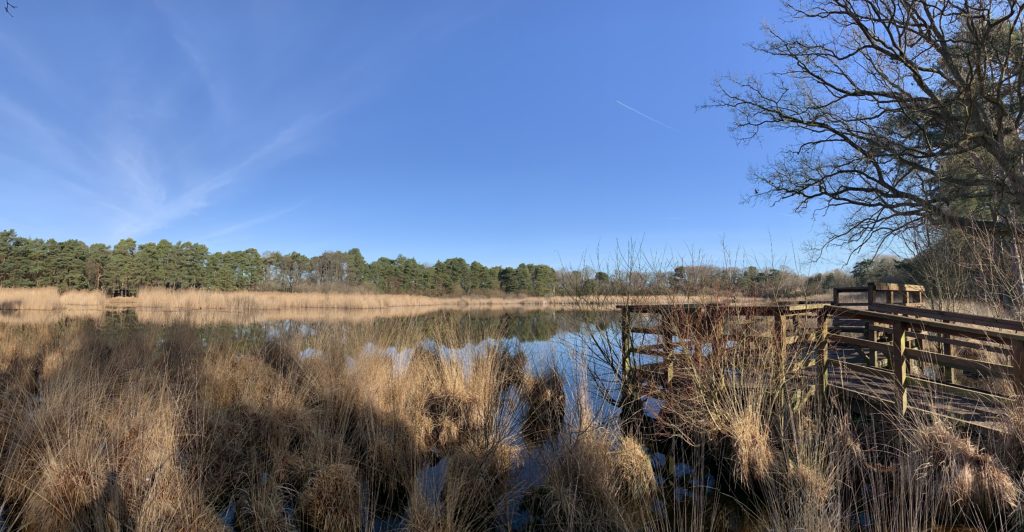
881	269
825	282
128	266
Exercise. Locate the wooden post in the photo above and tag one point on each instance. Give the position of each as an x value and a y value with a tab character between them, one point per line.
1017	351
899	364
629	404
872	335
780	332
946	348
627	340
823	352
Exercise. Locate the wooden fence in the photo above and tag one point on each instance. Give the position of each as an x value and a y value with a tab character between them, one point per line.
884	347
985	349
910	295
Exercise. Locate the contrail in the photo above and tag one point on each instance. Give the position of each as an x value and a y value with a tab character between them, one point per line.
651	118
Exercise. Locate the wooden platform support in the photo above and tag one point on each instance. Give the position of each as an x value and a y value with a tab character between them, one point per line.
900	366
823	351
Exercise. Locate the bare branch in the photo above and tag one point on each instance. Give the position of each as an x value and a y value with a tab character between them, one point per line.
904	112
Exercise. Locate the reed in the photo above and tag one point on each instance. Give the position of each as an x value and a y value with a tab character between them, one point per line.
119	423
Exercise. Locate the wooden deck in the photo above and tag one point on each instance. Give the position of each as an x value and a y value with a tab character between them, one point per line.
887	351
854	380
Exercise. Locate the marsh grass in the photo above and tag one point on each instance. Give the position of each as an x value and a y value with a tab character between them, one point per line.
207	307
120	423
792	461
117	423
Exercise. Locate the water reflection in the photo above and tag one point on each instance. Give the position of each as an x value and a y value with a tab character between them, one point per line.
556	340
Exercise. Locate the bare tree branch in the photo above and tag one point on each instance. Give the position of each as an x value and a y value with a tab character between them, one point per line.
904	112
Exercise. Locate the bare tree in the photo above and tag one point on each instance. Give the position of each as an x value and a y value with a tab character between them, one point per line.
9	7
906	113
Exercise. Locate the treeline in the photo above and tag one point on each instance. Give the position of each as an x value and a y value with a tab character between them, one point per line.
128	266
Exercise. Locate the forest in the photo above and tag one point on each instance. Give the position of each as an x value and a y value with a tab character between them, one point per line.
127	266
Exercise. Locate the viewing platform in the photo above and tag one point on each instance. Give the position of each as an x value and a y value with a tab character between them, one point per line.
876	344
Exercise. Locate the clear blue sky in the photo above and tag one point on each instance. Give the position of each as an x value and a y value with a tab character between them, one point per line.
507	132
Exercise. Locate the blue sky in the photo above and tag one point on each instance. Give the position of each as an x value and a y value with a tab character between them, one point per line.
501	131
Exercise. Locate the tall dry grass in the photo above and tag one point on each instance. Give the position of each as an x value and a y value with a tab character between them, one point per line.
50	299
117	423
799	462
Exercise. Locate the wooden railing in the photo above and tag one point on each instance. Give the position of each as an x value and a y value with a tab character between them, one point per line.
975	360
709	321
904	334
911	295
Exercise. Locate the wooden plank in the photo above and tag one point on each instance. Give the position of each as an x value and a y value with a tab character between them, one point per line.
987	369
944	339
657	331
944	393
918	324
922	384
780	333
898	287
627	350
860	342
849	327
899	365
868	398
1017	356
860	368
823	353
804	307
871	333
955	317
983	425
951	374
957	390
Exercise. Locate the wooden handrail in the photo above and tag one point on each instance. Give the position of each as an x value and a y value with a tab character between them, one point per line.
897	287
906	322
988	369
901	333
1001	336
958	317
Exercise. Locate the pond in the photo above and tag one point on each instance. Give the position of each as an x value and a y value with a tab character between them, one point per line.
247	380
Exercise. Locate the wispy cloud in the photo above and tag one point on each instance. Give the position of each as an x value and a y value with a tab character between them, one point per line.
259	220
167	129
648	117
154	209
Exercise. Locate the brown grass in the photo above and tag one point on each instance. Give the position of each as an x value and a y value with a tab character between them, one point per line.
332	499
119	423
158	305
545	406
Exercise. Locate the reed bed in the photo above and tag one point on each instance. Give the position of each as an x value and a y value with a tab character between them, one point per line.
114	423
205	307
118	423
50	299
